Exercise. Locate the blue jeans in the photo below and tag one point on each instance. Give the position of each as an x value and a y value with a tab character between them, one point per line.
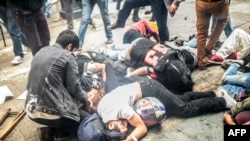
230	77
87	8
228	28
233	90
14	31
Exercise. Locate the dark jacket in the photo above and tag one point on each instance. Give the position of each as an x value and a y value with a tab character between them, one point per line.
54	83
32	5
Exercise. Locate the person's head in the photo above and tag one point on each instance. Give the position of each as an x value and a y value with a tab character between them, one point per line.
120	125
94	97
69	40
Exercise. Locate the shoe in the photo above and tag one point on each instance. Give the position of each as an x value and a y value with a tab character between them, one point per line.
136	19
114	26
109	41
46	134
147	12
93	24
230	102
226	63
26	50
232	56
69	28
215	59
17	60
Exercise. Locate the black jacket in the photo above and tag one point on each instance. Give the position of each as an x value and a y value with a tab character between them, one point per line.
54	83
32	5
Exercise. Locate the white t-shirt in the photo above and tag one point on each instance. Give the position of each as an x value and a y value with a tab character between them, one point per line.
118	104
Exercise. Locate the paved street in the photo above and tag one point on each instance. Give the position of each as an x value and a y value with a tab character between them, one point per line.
207	127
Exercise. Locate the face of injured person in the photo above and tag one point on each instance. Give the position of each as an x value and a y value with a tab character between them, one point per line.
120	125
94	96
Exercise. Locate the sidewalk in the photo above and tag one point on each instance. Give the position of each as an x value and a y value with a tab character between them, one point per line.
207	127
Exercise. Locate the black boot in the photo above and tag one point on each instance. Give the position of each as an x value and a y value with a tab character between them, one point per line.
135	15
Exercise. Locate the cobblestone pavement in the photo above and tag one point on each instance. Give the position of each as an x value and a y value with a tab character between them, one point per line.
207	127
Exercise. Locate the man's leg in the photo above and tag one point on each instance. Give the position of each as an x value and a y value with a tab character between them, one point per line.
202	25
136	15
15	33
87	7
103	6
220	11
160	13
43	29
126	10
230	76
28	25
67	4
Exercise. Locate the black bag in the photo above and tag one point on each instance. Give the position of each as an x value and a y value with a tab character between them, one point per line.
92	129
178	76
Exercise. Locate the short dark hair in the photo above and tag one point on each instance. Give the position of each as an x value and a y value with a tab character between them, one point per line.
67	37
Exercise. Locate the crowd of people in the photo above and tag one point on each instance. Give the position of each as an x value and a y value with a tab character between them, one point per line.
64	88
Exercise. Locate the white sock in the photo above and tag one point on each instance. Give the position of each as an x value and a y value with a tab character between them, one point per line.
229	100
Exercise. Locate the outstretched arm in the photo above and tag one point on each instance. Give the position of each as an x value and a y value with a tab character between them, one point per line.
228	119
140	128
139	71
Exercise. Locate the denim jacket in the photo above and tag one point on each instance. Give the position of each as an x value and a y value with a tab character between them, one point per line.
54	83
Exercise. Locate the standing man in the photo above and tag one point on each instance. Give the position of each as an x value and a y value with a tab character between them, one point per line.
54	88
160	10
87	8
15	33
204	10
32	21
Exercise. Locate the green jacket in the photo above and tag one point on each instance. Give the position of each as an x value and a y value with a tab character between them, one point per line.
241	106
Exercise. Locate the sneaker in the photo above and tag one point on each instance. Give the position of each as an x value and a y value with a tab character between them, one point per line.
114	26
17	60
109	41
226	63
215	59
232	56
26	50
230	102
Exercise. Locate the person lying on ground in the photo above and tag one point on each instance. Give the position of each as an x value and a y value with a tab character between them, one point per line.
54	88
236	46
141	29
239	114
235	83
118	114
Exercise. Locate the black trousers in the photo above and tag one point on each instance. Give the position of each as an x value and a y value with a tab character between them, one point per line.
186	105
130	35
35	27
127	8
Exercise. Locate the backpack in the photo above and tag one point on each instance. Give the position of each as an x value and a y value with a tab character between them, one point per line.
178	76
92	129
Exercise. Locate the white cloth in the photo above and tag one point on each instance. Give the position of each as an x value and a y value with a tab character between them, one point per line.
238	41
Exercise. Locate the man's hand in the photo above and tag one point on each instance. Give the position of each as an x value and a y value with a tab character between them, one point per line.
173	8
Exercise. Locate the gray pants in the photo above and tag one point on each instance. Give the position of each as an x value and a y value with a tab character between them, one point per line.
67	7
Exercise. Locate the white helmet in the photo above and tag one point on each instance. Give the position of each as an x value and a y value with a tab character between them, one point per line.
151	110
